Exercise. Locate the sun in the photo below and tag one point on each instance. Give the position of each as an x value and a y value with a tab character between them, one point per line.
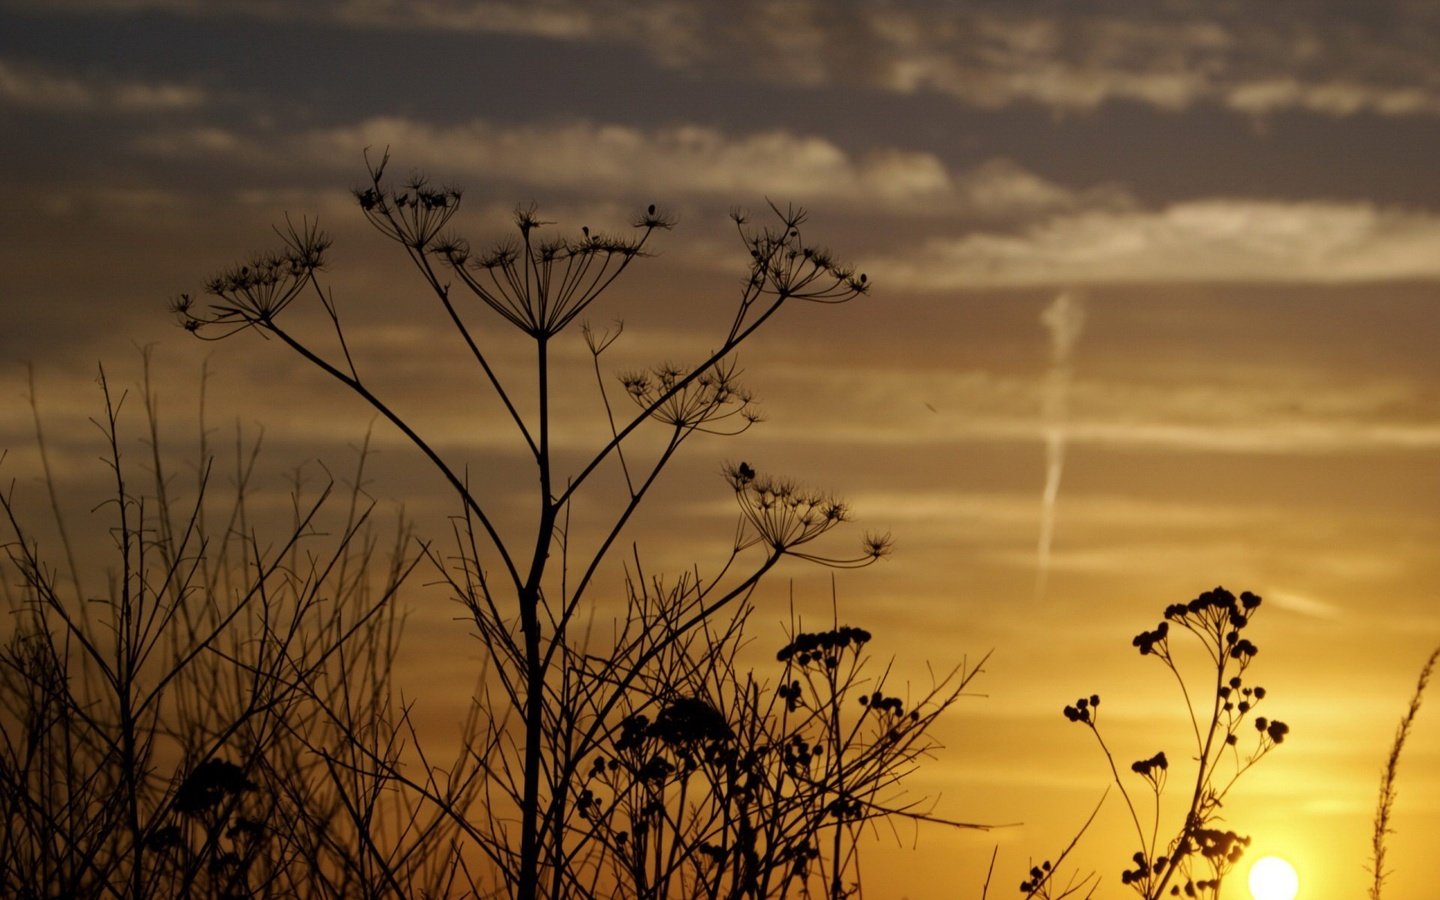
1272	878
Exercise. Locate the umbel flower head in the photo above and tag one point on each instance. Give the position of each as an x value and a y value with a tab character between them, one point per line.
541	283
413	215
700	403
782	516
1216	616
256	291
1153	770
783	267
1084	710
823	645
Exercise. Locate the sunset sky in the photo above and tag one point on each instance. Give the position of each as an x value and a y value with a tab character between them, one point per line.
1237	202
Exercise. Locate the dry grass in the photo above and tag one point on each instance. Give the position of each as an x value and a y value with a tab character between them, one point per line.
1385	806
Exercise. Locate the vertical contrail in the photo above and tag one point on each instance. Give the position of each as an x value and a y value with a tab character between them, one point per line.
1064	319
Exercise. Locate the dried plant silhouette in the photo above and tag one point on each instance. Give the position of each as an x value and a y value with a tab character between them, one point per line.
646	762
1385	806
1193	858
222	721
192	727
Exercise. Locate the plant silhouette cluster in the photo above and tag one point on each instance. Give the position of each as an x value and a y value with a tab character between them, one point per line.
732	787
1194	861
223	722
646	763
193	728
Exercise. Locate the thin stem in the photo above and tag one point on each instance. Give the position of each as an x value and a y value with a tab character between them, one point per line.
424	447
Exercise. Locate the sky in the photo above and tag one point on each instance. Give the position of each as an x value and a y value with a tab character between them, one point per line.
1155	295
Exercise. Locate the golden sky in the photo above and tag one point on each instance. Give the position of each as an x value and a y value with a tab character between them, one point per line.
1241	386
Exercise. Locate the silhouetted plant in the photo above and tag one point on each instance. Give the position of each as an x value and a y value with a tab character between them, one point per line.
174	735
1385	805
1195	860
587	766
1043	878
722	785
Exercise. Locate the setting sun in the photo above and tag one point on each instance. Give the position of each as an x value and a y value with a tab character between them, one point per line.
1272	878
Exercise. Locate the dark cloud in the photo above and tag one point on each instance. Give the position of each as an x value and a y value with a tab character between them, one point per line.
1324	58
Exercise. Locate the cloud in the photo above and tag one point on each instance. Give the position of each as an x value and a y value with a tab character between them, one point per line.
996	59
31	87
1261	411
1303	605
1172	62
1209	240
680	160
598	157
671	30
557	20
1332	98
1295	55
1301	55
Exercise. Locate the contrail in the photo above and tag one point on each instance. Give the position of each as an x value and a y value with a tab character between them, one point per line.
1064	319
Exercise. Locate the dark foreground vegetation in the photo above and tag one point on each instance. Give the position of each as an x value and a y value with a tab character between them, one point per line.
221	719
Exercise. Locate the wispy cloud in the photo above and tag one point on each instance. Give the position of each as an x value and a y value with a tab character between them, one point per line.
686	159
1209	240
1261	411
1332	98
42	89
680	160
1304	605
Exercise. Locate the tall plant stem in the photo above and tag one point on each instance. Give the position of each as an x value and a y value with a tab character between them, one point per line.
534	659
